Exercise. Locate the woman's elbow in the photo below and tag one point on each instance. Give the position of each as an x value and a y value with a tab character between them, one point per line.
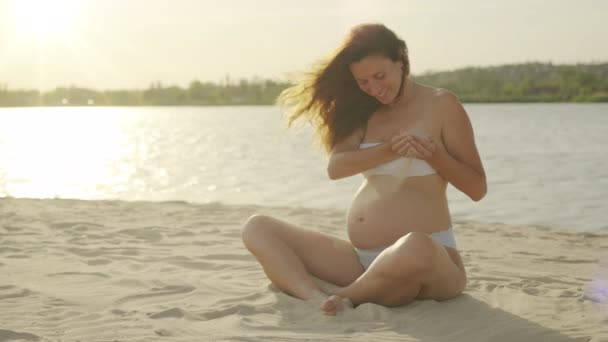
480	193
334	172
331	173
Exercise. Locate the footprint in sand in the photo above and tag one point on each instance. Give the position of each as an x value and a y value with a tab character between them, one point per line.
82	274
9	335
10	291
157	292
169	313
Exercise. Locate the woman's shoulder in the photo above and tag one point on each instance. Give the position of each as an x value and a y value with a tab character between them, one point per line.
444	104
442	100
435	94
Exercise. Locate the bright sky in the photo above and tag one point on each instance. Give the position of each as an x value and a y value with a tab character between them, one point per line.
111	44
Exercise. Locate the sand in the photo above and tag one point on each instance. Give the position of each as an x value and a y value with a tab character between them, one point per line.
73	270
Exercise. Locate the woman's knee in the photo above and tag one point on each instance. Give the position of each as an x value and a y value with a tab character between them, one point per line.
255	227
414	253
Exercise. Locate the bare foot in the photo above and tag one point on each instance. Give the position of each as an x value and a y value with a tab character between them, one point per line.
334	304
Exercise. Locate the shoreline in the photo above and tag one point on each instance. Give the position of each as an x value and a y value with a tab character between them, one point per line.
256	208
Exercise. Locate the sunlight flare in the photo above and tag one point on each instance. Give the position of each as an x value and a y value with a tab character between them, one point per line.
45	19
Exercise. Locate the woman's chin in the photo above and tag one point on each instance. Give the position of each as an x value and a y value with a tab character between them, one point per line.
385	100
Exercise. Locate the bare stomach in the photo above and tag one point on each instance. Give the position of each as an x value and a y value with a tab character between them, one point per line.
383	210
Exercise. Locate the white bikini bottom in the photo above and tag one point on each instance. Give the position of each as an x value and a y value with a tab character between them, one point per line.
367	256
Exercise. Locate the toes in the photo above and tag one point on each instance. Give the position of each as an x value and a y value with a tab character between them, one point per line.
329	306
334	304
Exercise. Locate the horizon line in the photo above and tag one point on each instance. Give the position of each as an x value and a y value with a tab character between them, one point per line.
6	87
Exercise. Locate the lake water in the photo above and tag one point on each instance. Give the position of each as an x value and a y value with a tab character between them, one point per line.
547	164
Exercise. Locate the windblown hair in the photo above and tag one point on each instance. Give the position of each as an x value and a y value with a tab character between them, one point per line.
329	97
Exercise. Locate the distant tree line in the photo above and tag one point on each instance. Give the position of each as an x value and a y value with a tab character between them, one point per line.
530	82
243	92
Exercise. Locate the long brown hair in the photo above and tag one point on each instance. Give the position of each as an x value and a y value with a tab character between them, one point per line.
329	97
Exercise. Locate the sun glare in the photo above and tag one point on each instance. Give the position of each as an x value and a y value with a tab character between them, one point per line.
44	19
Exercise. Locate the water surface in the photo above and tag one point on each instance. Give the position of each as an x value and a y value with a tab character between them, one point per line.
546	164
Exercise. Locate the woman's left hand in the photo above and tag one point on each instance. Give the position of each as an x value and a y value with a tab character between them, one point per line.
414	146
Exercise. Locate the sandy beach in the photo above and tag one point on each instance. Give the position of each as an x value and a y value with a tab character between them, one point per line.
74	270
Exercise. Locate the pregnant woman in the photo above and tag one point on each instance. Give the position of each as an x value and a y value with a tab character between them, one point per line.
409	141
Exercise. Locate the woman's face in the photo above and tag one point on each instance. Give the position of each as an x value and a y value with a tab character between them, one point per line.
378	76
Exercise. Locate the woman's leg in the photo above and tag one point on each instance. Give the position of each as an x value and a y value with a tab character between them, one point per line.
289	254
415	266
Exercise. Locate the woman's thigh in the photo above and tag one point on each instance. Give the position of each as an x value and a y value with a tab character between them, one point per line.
326	257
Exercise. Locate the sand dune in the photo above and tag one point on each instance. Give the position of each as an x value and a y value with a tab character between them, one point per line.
76	270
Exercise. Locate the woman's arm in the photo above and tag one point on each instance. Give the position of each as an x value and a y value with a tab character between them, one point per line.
459	163
347	159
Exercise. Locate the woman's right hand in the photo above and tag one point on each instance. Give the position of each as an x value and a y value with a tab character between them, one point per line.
400	143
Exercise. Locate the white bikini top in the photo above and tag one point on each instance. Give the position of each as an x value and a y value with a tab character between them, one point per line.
401	167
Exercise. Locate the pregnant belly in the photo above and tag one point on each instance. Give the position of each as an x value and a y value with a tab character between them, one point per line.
378	220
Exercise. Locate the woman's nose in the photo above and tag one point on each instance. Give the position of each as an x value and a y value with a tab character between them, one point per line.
374	89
